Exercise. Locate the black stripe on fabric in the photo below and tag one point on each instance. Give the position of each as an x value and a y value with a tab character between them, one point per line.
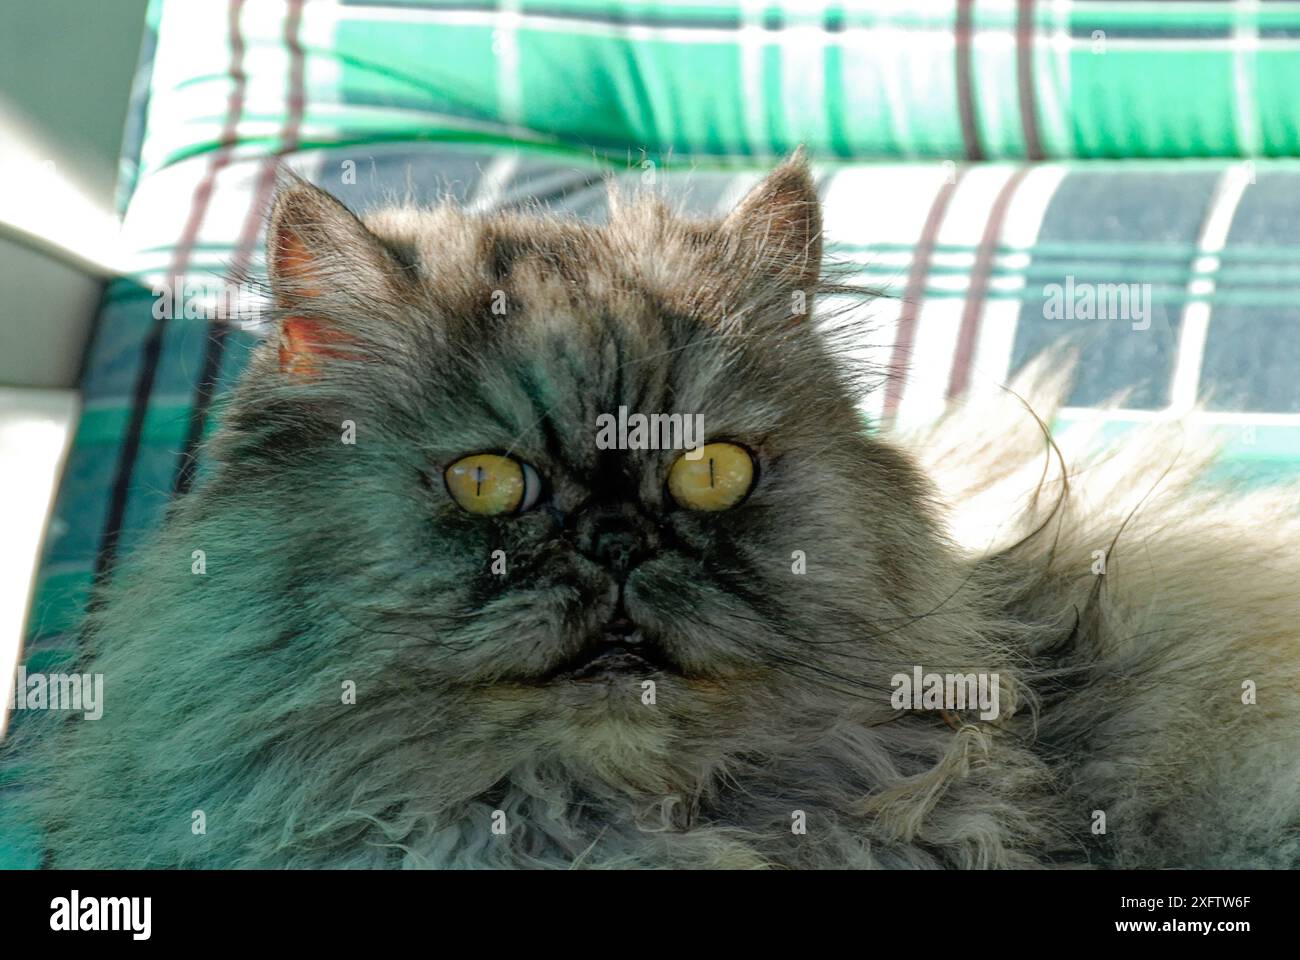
187	460
1025	33
965	95
121	490
218	331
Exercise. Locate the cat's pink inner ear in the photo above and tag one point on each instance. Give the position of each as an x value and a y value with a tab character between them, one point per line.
293	268
304	341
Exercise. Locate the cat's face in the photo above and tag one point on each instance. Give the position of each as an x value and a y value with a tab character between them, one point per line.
549	591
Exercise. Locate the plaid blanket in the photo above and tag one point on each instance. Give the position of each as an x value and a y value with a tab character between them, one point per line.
735	80
1178	278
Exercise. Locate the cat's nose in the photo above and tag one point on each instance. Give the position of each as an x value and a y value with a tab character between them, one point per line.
615	539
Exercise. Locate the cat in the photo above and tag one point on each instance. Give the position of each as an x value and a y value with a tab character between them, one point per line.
438	625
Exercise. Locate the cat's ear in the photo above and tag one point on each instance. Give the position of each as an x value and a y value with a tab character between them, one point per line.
317	250
779	223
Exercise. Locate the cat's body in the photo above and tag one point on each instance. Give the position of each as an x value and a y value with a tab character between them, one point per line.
771	738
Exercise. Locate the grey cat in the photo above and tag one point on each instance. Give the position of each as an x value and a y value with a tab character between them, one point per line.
441	625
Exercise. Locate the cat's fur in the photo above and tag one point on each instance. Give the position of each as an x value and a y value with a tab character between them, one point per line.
328	562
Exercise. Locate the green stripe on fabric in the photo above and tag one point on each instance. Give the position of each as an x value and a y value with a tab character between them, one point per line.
1241	441
165	424
1253	474
836	106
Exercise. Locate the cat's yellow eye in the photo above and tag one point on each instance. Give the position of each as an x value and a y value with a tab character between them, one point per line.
718	480
489	484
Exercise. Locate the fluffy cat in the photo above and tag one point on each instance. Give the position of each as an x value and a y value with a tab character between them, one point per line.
499	662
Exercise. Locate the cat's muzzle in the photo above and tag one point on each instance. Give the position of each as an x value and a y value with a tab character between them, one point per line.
619	651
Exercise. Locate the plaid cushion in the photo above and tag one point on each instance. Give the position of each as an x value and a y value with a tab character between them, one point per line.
720	80
979	267
1190	265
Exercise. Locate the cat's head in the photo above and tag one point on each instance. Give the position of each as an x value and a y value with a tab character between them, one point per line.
449	418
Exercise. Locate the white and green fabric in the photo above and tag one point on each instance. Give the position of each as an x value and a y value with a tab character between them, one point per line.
726	82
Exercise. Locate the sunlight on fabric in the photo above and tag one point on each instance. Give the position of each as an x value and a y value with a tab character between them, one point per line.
35	426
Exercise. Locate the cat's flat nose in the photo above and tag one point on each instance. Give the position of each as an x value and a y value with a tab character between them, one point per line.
618	547
616	539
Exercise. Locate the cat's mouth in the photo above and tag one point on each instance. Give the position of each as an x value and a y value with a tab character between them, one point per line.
619	651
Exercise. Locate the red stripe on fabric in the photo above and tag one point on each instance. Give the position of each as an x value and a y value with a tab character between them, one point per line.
289	134
962	33
247	242
1025	32
900	356
199	201
221	158
973	310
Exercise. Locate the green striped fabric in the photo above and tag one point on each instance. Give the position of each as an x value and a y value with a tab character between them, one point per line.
965	274
727	81
973	262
